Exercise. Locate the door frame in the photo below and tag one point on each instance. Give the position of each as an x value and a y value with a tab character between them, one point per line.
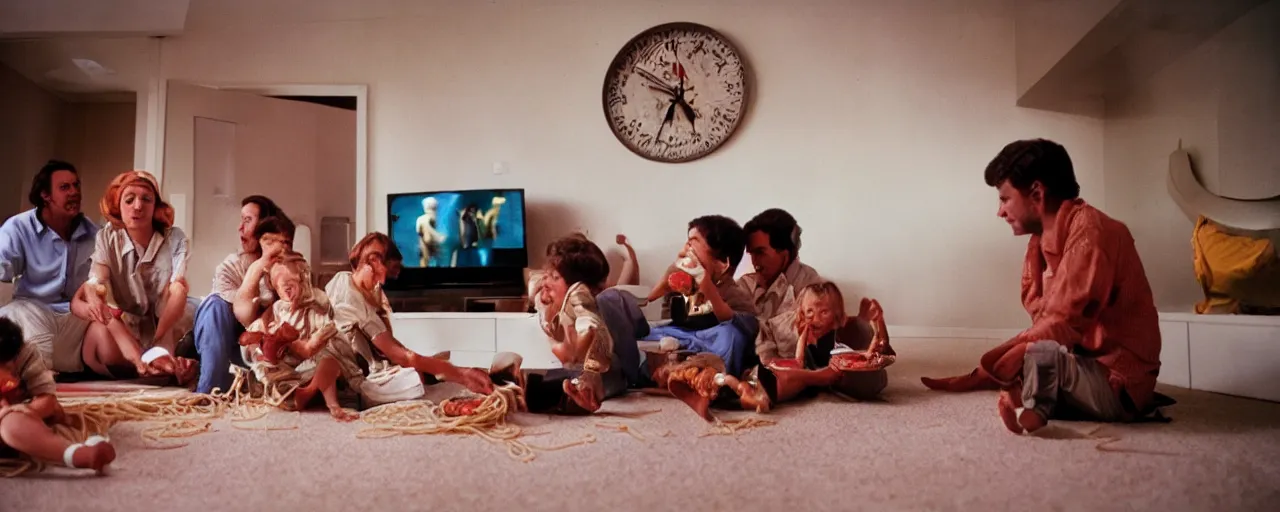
359	91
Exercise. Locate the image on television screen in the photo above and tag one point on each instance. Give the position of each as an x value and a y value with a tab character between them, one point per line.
460	229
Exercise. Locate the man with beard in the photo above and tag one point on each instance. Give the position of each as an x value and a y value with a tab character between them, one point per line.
47	250
217	326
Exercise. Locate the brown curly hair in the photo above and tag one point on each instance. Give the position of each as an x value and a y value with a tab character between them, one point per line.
578	260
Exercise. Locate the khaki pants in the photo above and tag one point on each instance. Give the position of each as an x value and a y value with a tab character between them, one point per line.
58	336
1060	385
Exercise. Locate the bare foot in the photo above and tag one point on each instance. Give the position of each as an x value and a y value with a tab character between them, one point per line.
871	311
685	392
1031	420
1008	409
583	394
341	414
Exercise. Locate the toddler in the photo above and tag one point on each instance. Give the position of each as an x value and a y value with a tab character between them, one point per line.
564	296
289	345
28	407
825	355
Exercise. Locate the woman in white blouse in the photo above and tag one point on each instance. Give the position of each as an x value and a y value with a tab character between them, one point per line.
137	290
362	314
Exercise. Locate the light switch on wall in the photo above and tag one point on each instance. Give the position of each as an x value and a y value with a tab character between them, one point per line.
500	168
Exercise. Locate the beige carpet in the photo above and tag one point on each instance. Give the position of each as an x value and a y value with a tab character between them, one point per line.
918	450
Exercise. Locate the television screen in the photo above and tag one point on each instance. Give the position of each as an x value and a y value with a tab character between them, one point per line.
459	229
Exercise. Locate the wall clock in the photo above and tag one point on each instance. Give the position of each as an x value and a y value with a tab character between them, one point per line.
675	92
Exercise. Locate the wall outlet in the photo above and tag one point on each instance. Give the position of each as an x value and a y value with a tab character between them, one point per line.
500	168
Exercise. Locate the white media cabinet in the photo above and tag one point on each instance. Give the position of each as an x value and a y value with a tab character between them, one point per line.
1230	354
474	338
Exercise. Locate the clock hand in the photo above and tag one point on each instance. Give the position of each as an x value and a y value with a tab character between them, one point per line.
671	114
654	78
660	89
688	112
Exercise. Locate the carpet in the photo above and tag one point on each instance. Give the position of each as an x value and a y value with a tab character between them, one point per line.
915	450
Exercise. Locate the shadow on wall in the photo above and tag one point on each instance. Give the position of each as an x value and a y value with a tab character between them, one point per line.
545	222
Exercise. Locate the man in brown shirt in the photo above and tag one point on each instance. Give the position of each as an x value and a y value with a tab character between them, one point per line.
1093	349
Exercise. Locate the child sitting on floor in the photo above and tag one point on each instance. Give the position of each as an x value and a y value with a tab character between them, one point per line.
564	296
28	407
847	355
722	320
289	345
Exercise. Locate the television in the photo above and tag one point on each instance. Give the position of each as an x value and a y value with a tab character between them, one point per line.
458	238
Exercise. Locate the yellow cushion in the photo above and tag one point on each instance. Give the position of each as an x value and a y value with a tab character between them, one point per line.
1233	268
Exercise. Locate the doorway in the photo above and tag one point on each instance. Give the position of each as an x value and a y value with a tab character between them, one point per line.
301	146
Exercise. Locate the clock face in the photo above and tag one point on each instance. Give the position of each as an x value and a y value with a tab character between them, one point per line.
676	92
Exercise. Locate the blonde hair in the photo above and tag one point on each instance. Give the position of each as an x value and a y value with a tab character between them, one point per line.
828	291
293	262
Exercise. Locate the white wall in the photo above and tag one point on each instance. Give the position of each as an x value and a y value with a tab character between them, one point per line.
871	121
98	139
28	135
1223	101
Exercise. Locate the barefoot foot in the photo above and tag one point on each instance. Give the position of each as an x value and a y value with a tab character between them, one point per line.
700	404
582	395
1031	420
342	414
1008	409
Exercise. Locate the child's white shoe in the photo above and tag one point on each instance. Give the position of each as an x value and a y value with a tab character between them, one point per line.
68	456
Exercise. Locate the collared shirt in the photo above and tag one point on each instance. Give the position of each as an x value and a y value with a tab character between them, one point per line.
139	277
1086	289
48	269
780	296
358	319
777	306
229	275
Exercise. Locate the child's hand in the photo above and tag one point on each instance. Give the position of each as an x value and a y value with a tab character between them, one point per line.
250	339
562	351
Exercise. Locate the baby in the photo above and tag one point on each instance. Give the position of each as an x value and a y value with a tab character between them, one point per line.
564	296
28	407
825	356
288	346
